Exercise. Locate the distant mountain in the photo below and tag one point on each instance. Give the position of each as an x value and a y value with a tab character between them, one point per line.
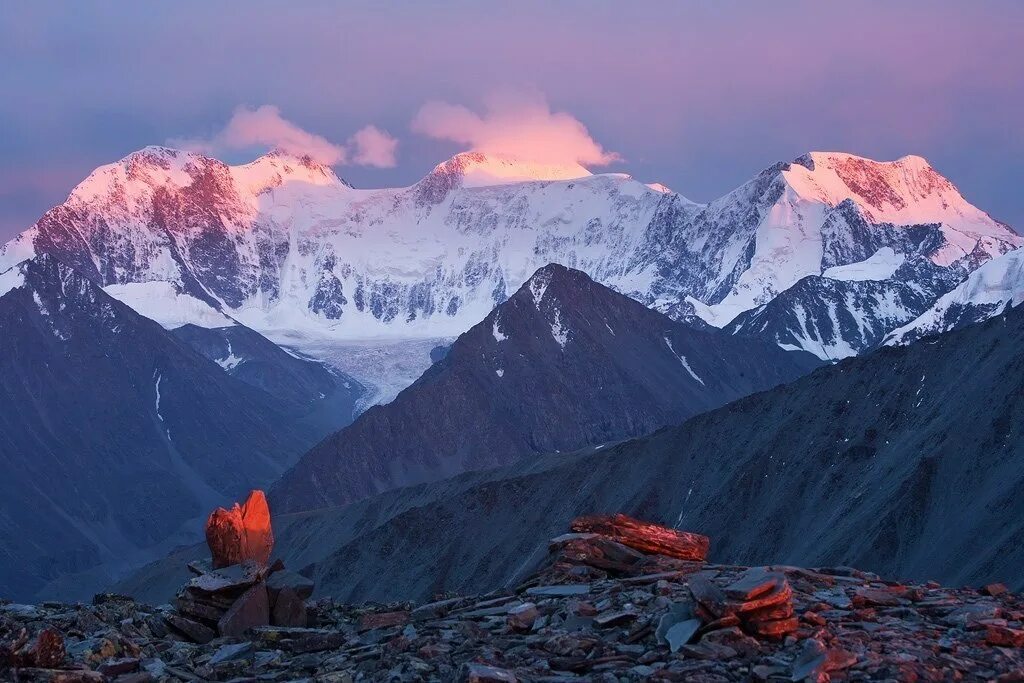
283	244
908	460
114	432
564	363
986	293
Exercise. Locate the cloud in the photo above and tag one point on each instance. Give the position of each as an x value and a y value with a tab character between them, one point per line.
372	146
516	123
265	127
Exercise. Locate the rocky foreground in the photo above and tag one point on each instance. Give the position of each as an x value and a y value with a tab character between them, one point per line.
617	600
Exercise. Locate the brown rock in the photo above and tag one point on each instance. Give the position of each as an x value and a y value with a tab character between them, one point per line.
118	667
289	609
241	533
775	628
48	649
373	620
648	538
1004	636
252	609
994	589
752	583
521	617
782	593
781	611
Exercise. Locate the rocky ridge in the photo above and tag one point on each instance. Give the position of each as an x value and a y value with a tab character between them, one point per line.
604	607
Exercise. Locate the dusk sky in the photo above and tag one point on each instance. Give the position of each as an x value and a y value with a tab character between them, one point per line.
697	95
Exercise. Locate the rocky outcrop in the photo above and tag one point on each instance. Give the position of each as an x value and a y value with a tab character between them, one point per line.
641	617
241	533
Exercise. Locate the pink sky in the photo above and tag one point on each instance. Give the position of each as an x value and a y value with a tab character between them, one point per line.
699	96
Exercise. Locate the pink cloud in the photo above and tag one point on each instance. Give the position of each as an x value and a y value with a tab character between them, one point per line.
516	123
265	127
372	146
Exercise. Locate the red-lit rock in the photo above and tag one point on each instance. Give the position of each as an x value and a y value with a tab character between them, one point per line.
241	533
652	539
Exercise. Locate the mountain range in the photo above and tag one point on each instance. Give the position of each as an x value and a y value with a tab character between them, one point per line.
829	253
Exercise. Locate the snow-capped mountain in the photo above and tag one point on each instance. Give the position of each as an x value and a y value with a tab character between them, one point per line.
987	292
282	244
564	363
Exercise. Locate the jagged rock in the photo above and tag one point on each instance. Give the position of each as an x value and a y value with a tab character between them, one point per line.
646	537
250	610
241	533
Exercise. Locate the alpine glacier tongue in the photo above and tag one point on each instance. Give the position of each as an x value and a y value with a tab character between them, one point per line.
283	246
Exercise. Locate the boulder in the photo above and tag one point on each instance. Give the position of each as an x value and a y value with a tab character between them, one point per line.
250	610
241	533
289	609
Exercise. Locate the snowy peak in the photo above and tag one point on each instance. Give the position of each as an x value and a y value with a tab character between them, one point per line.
477	169
907	191
279	167
141	173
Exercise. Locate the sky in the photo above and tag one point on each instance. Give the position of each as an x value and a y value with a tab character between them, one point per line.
698	95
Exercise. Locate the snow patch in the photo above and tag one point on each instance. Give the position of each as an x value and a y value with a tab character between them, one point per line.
539	285
881	265
558	330
11	278
682	359
163	302
498	335
231	361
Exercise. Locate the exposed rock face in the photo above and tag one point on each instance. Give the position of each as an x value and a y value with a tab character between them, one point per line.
241	533
653	618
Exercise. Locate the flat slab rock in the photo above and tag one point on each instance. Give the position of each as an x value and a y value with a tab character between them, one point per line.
648	538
